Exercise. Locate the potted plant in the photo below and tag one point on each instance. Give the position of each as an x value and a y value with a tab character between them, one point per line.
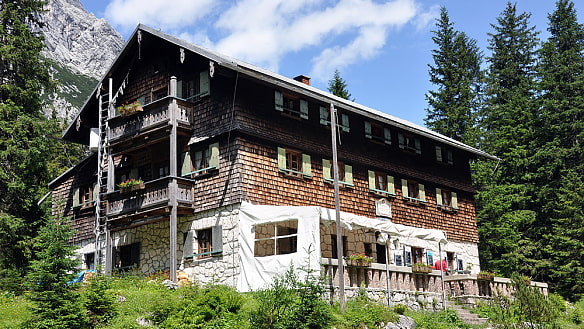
128	109
131	184
359	259
485	275
421	268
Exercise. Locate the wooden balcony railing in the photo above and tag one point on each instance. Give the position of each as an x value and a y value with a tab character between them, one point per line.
155	193
154	114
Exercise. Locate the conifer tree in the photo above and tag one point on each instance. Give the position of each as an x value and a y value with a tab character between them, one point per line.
338	86
560	157
56	303
457	74
23	150
505	211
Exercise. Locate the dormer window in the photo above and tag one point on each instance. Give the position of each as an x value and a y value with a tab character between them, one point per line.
377	132
325	119
290	105
409	143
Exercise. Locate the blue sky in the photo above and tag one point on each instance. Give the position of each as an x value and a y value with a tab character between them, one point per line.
381	48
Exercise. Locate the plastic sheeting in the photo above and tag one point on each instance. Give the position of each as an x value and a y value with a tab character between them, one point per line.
258	272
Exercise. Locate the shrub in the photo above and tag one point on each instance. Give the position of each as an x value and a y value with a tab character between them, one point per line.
99	299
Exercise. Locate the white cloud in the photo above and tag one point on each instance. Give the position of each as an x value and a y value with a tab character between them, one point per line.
164	14
425	19
263	31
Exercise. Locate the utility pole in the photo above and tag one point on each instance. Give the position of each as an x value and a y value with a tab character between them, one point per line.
341	266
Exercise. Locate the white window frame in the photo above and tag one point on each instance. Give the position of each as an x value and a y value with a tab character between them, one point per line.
275	237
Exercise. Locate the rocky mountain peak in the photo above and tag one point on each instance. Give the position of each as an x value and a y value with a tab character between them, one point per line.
78	40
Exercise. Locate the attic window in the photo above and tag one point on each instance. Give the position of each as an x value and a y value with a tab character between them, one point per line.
290	105
377	132
444	155
325	119
409	143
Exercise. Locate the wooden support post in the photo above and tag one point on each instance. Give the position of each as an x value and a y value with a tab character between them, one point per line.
341	266
173	188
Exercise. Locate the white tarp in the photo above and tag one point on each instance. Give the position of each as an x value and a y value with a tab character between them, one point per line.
257	272
403	232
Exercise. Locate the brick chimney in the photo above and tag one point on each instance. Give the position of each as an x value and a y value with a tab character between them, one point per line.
303	78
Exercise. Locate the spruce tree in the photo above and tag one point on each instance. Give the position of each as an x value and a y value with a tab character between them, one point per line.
457	74
560	157
505	211
23	149
56	303
338	86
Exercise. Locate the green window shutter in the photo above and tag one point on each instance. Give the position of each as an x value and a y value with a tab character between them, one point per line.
404	187
188	244
205	85
450	158
279	100
439	196
367	129
179	89
306	166
387	136
438	154
95	191
345	122
421	192
282	159
349	174
326	169
418	146
214	155
390	185
454	200
76	197
186	166
303	109
401	141
324	113
371	175
216	238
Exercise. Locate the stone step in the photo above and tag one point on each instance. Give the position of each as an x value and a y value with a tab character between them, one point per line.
467	316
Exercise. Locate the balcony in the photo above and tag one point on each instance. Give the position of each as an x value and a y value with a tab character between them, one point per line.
156	114
154	196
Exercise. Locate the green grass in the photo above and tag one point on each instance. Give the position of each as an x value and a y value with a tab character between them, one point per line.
13	311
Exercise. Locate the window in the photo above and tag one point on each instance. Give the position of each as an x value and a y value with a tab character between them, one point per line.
276	238
294	163
444	155
377	132
194	88
418	255
84	195
446	199
430	257
290	105
89	260
381	183
334	243
409	143
204	243
126	257
200	161
367	249
412	191
381	253
325	119
208	242
345	173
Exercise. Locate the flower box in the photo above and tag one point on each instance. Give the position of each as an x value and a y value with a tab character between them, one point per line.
131	188
486	276
421	268
130	109
358	263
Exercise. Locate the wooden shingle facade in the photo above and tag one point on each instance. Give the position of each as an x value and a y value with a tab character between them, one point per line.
212	133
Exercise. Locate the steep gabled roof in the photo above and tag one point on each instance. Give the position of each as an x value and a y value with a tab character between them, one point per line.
78	131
